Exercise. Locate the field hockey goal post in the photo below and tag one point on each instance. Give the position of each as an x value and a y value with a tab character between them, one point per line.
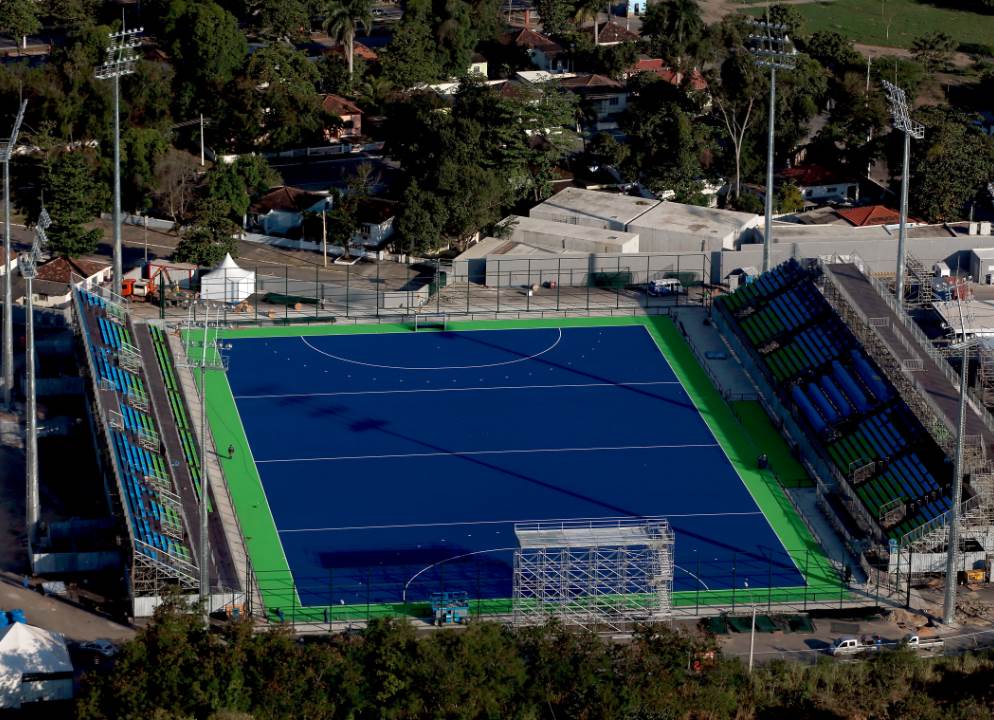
593	573
430	322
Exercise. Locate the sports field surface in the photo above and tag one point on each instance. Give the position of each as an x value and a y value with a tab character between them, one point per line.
374	465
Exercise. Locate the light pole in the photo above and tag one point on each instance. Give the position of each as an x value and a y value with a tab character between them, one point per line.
8	318
752	633
952	546
28	263
120	61
770	47
911	129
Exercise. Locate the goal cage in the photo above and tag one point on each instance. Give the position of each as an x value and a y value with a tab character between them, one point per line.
430	322
593	573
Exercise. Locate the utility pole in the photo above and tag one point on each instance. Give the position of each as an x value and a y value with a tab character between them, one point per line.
911	129
201	139
120	61
952	546
29	271
770	47
752	634
324	234
6	149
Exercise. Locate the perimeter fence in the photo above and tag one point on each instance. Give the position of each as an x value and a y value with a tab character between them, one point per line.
367	288
703	587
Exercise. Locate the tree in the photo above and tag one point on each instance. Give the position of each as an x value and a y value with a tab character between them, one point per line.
832	50
933	50
555	15
948	168
675	28
207	49
789	198
855	119
283	19
343	18
420	221
787	16
74	13
588	11
71	202
605	150
141	149
175	183
235	184
410	59
19	18
211	236
735	91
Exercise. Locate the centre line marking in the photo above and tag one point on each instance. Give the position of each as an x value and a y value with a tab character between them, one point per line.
487	452
463	389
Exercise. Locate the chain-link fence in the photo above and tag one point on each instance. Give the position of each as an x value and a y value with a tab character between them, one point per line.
368	288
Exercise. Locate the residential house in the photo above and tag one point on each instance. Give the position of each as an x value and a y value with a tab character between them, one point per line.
545	53
376	222
612	33
52	286
664	72
600	96
478	65
346	111
822	185
281	210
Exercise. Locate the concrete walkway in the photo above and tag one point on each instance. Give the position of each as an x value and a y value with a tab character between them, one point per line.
53	614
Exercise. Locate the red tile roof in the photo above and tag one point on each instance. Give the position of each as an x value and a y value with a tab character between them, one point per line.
871	215
286	198
358	50
590	81
531	40
337	105
61	270
668	74
612	32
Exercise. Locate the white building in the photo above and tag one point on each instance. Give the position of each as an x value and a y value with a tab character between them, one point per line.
675	227
592	208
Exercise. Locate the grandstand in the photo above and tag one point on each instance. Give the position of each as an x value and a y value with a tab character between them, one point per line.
886	444
148	452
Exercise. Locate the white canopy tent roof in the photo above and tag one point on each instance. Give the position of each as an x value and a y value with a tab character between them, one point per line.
28	649
227	282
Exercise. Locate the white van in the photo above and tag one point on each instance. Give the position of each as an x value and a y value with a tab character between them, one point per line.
664	286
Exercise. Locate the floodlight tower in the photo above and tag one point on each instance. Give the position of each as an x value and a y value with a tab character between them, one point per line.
6	148
120	61
28	263
911	129
771	47
952	546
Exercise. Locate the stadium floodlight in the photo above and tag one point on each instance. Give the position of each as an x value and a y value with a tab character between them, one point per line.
29	270
6	149
911	129
120	61
771	47
952	545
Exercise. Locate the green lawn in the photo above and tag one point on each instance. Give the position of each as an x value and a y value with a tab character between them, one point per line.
767	439
863	21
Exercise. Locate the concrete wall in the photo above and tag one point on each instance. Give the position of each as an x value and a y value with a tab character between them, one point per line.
576	270
657	239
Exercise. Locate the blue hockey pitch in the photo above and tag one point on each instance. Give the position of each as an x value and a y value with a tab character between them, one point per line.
396	464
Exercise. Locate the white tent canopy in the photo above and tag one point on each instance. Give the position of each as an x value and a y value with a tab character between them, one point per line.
29	650
227	283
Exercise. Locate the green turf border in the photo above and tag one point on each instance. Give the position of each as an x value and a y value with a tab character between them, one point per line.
266	550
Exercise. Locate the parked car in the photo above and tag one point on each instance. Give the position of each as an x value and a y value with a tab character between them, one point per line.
664	287
102	647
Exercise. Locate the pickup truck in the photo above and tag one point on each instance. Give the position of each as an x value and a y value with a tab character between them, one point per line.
850	646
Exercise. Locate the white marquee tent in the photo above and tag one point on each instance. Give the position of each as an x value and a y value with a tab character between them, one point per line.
34	665
227	283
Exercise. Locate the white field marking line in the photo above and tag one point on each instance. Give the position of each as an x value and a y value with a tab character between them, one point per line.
497	522
458	389
444	367
445	560
694	576
460	453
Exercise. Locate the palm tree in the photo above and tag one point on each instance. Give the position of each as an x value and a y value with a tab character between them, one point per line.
587	10
341	20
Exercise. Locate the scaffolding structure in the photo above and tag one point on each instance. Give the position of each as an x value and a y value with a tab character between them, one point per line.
593	573
918	291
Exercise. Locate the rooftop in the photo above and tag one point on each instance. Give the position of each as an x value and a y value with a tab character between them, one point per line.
286	198
703	221
611	33
808	175
531	40
337	105
592	204
557	236
871	215
60	270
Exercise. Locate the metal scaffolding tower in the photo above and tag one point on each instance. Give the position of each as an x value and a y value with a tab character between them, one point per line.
593	573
